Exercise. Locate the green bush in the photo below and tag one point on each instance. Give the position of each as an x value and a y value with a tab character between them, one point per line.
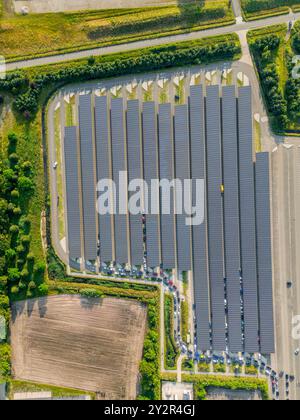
91	293
4	361
43	289
171	351
252	6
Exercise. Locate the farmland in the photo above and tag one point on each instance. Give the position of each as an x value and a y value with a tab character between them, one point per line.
63	32
89	344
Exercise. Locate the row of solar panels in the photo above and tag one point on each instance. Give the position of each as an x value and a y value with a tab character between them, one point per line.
208	139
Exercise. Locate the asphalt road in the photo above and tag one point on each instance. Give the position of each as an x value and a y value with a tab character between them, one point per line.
152	42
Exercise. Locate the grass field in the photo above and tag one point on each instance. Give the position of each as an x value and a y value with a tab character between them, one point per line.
73	342
46	34
57	392
260	9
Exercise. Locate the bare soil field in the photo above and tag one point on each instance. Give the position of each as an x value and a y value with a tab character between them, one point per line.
232	395
54	6
75	342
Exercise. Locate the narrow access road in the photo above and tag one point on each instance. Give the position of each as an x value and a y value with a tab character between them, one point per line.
59	58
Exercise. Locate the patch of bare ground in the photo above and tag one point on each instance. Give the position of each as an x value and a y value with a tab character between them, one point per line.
74	342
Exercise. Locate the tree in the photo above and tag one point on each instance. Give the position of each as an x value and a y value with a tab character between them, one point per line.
13	159
25	184
40	268
43	289
14	229
24	274
10	257
13	275
91	293
3	214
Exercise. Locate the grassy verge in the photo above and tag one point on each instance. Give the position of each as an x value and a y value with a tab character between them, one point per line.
57	392
184	320
66	32
261	9
251	370
187	365
219	368
203	367
171	351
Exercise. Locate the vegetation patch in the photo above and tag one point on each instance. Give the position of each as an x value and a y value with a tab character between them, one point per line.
184	320
57	392
203	382
273	54
259	9
188	365
171	349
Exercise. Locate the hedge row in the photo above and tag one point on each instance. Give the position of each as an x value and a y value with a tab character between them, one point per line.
171	350
28	93
252	6
187	17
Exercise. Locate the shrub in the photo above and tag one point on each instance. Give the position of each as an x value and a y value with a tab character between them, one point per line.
40	268
91	293
17	211
14	229
32	285
25	184
14	290
24	274
43	289
15	195
13	159
22	285
13	275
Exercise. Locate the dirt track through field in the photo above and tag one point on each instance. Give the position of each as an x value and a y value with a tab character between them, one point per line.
70	341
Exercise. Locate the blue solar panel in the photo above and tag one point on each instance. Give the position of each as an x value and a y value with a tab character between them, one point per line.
88	177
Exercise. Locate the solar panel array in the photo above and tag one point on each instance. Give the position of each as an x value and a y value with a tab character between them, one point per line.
88	177
208	139
134	150
215	216
119	165
166	162
231	217
103	153
151	172
72	190
182	172
200	252
247	220
264	253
